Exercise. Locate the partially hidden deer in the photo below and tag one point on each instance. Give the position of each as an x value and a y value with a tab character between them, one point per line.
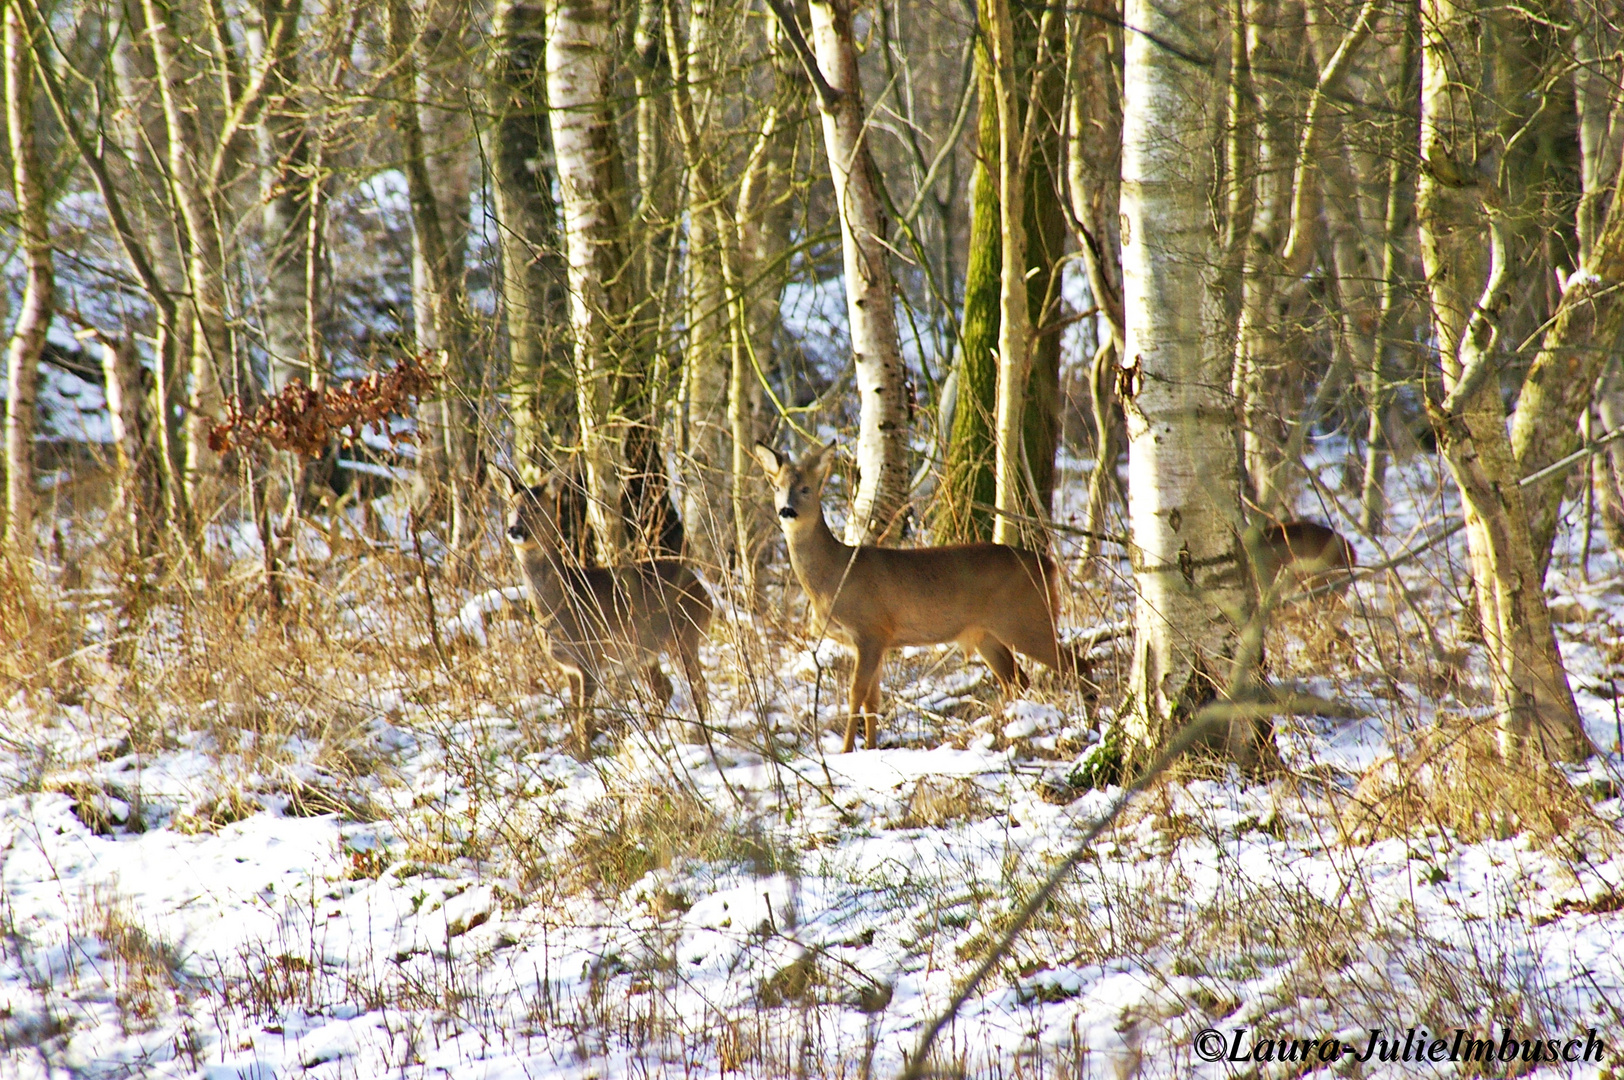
1310	554
990	599
597	616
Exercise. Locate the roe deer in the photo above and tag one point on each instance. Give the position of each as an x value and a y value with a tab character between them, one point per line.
1313	554
987	598
626	614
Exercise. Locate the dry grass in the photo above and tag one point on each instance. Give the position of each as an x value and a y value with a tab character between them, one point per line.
625	836
286	702
1455	777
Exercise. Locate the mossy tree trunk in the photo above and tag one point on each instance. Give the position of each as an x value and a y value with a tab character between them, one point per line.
969	486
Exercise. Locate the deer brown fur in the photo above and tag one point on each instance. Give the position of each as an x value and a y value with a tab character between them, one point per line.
590	617
1310	553
987	598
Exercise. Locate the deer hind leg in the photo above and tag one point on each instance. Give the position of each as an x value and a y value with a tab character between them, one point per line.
1002	661
865	696
688	655
657	682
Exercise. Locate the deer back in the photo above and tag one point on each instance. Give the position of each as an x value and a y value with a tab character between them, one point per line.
1305	549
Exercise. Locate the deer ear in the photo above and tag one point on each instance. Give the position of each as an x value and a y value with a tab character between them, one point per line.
510	477
822	460
767	457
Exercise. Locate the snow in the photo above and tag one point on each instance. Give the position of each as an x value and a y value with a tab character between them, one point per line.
797	916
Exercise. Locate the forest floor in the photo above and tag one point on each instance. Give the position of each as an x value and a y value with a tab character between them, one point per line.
244	844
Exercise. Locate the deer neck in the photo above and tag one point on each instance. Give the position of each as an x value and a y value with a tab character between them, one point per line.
819	560
549	592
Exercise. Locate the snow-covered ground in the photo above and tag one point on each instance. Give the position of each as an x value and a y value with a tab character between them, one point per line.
282	854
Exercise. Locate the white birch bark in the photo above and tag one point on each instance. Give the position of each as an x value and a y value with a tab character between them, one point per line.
1183	491
578	40
706	373
882	440
39	292
1014	356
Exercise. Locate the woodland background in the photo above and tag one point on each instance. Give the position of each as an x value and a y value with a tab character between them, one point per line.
1128	282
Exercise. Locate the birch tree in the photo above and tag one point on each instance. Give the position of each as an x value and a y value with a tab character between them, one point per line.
712	257
1184	484
1464	248
578	39
1093	171
882	440
193	176
39	292
534	293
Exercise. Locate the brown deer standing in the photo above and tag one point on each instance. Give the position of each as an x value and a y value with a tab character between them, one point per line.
590	616
986	598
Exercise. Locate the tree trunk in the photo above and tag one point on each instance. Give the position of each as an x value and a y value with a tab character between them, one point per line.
534	291
145	259
1373	495
968	486
578	38
1094	168
1609	478
136	497
707	370
970	475
434	142
882	440
1584	331
1601	132
1463	247
209	349
1045	248
1258	342
1561	381
147	236
286	191
1011	492
763	228
39	292
1184	483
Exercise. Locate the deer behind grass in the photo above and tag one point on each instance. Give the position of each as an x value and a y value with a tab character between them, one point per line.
986	598
1310	554
626	615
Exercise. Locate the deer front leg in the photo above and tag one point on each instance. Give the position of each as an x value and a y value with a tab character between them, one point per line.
583	689
865	695
688	654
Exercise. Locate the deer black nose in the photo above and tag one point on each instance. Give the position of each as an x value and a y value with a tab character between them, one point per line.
515	532
788	513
